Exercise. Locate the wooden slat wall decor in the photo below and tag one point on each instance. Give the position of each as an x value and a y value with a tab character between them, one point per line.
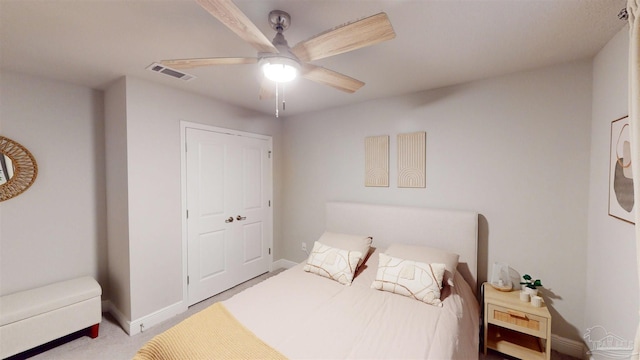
376	149
412	154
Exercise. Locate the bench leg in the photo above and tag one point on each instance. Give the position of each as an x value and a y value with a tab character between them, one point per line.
93	331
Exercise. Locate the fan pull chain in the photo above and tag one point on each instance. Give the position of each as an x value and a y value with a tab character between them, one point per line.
283	101
284	104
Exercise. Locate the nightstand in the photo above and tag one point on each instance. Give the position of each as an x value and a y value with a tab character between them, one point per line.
515	327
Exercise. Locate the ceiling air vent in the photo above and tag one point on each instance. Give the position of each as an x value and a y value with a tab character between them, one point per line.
169	71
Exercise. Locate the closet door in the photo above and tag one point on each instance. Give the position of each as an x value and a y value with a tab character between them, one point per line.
229	225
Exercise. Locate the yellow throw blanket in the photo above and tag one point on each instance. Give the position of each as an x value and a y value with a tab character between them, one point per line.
213	333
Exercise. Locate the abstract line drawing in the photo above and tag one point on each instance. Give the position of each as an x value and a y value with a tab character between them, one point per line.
412	154
621	202
376	150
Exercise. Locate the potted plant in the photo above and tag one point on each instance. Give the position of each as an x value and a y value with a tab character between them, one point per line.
529	285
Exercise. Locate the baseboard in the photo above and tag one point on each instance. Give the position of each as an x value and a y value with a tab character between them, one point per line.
140	325
283	264
106	306
569	347
145	322
120	318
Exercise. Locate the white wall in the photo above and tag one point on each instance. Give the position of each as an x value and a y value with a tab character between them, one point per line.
153	115
117	181
513	148
611	274
56	230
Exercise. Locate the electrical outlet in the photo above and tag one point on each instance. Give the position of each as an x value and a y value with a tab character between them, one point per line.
303	247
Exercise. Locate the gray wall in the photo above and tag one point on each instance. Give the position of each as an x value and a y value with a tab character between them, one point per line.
611	274
56	230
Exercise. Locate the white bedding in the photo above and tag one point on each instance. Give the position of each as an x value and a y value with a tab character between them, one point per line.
304	315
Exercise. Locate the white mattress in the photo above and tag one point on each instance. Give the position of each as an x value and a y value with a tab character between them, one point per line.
304	315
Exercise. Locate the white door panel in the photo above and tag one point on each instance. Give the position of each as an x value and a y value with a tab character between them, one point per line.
252	237
211	254
252	169
229	226
255	207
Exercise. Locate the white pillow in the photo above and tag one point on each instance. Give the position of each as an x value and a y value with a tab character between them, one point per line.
359	243
417	280
333	263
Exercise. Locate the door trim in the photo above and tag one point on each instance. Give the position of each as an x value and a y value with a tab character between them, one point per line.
184	125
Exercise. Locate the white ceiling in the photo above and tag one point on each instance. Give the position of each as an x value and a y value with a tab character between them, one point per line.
438	43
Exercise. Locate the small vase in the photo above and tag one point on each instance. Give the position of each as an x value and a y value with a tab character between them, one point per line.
530	291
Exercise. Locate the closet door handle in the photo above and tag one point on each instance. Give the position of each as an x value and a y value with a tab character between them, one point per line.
229	220
240	218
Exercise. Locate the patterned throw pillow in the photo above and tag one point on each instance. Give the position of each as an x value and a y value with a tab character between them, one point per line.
333	263
348	242
417	280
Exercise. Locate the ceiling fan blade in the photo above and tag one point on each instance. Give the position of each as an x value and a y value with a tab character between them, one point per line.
331	78
348	37
192	63
233	18
267	89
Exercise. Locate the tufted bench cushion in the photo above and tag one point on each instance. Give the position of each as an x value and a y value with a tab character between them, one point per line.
34	317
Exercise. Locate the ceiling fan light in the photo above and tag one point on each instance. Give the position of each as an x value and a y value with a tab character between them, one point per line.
280	69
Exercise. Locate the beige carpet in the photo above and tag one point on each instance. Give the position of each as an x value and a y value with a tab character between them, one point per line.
114	344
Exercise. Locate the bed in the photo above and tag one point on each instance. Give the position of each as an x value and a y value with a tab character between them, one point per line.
305	313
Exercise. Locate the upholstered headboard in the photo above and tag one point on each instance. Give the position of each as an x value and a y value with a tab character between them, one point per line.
451	230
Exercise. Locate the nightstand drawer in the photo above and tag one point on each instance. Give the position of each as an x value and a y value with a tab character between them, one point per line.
517	320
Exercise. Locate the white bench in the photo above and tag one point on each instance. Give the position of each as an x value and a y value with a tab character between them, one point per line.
34	317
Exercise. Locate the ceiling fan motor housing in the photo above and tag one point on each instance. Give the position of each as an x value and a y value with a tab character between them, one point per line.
284	52
280	21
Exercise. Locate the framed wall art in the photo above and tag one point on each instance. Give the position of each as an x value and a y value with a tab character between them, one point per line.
376	150
412	153
621	203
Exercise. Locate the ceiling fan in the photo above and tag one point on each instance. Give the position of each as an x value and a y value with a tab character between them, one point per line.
282	63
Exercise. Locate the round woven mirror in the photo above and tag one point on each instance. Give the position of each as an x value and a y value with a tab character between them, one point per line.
18	169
